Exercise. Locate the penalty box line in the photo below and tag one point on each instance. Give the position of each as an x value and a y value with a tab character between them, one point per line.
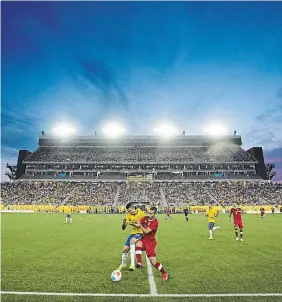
140	295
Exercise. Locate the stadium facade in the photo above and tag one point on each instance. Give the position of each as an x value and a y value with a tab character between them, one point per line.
178	158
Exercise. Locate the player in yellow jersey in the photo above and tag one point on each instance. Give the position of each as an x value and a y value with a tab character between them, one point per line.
68	211
133	215
211	214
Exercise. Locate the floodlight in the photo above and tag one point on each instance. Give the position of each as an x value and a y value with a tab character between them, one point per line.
216	130
113	129
64	129
165	130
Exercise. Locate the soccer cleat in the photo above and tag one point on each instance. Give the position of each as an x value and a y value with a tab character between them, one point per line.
132	267
165	276
121	267
241	239
237	238
210	237
139	265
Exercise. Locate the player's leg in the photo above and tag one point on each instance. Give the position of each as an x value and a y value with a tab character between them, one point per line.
70	219
210	227
125	253
216	228
132	250
66	218
139	247
151	254
186	217
236	232
241	232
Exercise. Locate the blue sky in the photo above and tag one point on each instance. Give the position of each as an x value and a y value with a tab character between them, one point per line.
190	63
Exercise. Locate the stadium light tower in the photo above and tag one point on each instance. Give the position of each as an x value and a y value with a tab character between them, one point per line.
64	130
165	130
113	130
216	130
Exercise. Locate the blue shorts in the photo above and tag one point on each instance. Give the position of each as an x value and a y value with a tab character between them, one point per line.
137	236
68	215
211	225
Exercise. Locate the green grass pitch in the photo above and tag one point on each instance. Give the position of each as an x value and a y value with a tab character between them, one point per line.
42	254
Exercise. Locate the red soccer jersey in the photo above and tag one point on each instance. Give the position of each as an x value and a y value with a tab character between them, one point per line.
153	225
237	214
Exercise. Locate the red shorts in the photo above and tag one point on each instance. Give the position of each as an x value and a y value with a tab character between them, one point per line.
238	224
261	213
149	247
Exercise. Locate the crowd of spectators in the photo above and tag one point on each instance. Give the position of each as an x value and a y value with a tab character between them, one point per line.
193	193
140	154
244	193
139	192
157	193
34	192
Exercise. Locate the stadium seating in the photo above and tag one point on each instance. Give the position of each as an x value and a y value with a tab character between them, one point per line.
137	155
157	193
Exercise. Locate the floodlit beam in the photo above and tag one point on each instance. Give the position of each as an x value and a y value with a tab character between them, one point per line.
113	129
64	129
165	130
216	130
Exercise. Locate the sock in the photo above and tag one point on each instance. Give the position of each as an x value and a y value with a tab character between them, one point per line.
66	220
70	220
187	219
215	228
159	266
138	254
210	231
132	254
241	234
123	258
236	233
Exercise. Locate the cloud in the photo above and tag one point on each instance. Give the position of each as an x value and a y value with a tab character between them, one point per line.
8	155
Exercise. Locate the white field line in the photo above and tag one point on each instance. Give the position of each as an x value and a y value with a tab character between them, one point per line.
140	295
153	288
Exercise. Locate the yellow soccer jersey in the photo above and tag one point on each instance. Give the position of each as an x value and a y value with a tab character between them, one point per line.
211	214
132	218
67	210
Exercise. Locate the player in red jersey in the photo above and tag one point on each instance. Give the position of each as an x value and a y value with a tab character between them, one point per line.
149	224
262	213
168	213
238	223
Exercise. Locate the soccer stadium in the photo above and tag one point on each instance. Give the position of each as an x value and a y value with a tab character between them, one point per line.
141	151
48	257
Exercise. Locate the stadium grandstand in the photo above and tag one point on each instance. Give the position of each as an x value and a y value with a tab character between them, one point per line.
102	174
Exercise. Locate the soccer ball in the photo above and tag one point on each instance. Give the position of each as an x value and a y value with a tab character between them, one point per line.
116	275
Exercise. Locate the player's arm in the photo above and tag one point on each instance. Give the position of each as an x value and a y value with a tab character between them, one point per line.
124	224
145	230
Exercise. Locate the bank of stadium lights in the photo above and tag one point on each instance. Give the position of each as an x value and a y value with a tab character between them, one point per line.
165	130
216	130
64	130
113	130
